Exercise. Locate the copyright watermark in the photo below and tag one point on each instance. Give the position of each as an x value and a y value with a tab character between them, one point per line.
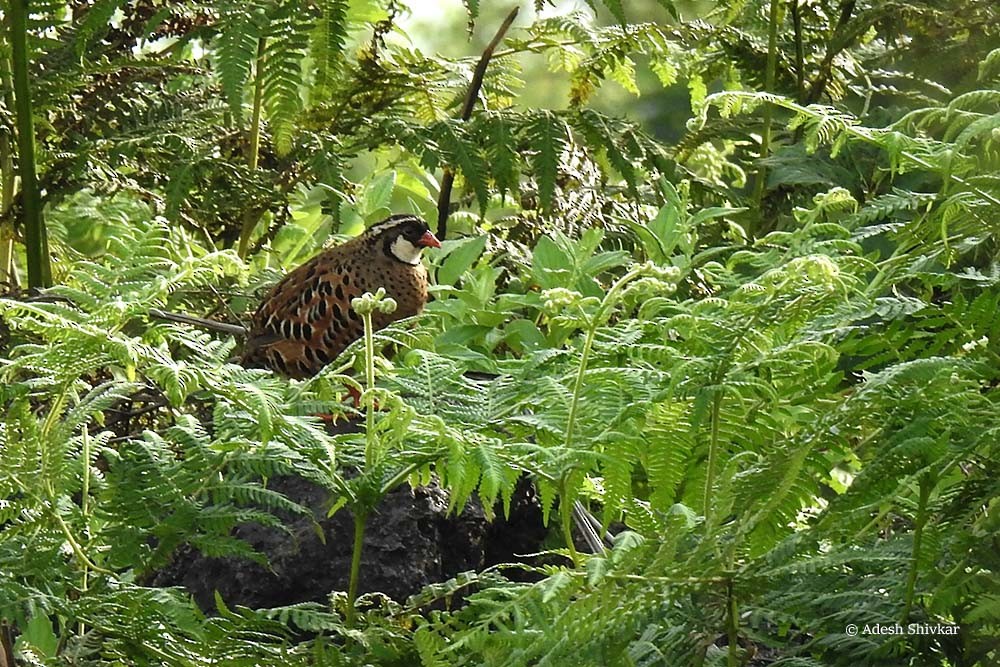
854	630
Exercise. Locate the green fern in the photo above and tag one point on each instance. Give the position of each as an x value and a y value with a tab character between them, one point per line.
237	50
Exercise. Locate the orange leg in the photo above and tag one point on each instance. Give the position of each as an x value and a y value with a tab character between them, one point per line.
355	396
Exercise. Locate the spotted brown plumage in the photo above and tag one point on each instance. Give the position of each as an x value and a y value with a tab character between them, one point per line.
306	320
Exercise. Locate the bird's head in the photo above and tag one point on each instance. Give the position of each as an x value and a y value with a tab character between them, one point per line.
403	237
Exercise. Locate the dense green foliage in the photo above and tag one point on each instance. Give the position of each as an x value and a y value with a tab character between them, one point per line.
768	350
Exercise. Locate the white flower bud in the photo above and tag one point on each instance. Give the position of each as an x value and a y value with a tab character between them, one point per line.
559	298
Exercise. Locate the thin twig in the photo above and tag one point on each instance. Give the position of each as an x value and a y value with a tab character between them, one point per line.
800	72
223	327
125	415
448	180
760	184
838	42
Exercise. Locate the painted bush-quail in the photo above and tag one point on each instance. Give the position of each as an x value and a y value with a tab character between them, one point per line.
306	320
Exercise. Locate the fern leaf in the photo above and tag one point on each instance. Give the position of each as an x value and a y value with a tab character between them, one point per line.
286	45
548	137
498	136
460	150
236	50
617	10
328	39
599	134
472	7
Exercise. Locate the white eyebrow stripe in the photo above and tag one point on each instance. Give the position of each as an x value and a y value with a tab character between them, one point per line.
391	222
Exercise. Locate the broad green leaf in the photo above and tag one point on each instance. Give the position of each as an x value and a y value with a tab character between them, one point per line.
666	230
463	254
551	266
39	634
713	212
602	262
522	335
462	334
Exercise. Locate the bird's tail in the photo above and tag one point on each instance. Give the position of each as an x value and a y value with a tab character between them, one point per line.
224	327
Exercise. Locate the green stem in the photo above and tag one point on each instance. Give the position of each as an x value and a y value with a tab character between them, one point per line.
258	99
800	58
566	519
713	452
732	625
251	218
360	517
7	274
85	510
85	492
926	484
769	76
75	546
717	384
588	342
406	471
55	410
36	242
370	448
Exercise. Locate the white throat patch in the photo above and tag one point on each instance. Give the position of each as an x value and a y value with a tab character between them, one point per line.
405	251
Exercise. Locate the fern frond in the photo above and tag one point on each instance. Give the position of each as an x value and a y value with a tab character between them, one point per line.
548	136
287	42
237	50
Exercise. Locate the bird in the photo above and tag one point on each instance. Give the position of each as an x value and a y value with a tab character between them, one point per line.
306	320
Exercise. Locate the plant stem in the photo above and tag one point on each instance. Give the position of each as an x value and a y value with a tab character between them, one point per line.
85	509
75	546
588	342
839	41
35	240
7	274
371	461
448	180
252	217
769	75
718	378
360	518
800	58
258	97
732	625
713	452
370	448
926	484
566	519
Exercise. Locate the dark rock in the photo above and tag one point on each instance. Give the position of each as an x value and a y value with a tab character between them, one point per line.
410	542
